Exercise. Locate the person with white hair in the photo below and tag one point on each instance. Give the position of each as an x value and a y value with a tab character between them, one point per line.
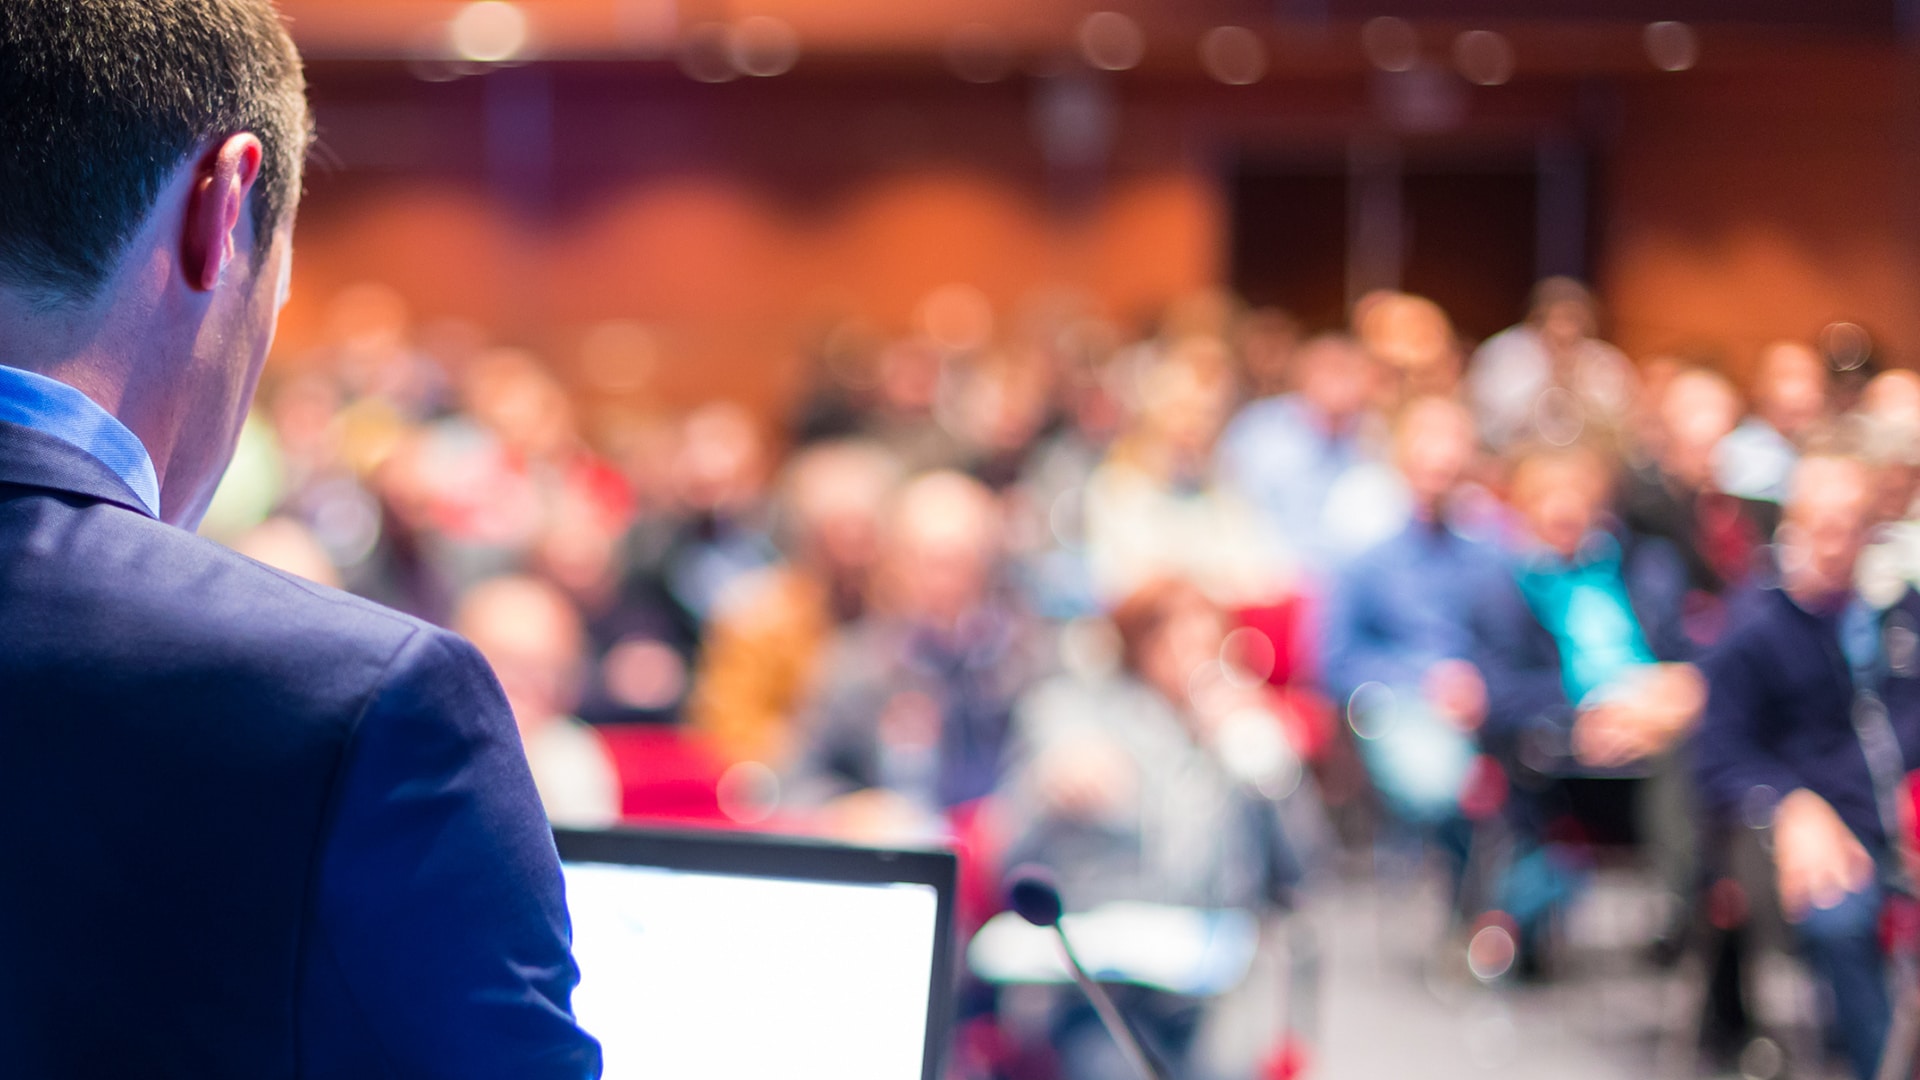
1812	722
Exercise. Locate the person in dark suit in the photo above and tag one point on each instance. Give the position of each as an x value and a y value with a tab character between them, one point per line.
1812	725
249	827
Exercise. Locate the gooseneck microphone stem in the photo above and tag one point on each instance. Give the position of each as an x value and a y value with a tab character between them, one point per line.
1109	1013
1033	894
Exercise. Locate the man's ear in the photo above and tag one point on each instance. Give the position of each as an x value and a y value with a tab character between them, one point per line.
222	182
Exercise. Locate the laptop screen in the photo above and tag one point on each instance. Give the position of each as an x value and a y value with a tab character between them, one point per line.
711	974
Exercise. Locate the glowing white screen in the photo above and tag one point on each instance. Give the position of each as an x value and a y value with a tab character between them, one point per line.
716	977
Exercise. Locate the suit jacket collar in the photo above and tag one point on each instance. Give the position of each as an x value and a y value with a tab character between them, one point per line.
34	459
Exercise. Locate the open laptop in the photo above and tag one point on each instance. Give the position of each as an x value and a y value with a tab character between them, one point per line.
722	956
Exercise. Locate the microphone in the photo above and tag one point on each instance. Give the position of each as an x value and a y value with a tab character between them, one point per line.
1032	894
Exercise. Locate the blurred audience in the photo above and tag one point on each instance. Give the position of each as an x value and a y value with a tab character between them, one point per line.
1058	593
1130	786
911	714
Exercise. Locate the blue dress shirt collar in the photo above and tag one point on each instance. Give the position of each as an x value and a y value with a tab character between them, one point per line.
53	408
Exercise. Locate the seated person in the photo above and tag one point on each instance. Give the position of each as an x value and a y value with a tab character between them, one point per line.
1153	507
532	636
1792	397
1129	792
765	639
1398	626
1588	672
1587	682
909	720
1813	718
1673	495
1303	460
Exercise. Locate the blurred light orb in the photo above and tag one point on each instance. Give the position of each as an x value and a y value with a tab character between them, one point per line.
1249	657
1763	1059
1483	57
1391	43
978	53
1112	42
1672	46
488	32
957	317
1559	416
643	673
1492	952
1234	55
1370	711
1846	345
764	46
706	53
748	792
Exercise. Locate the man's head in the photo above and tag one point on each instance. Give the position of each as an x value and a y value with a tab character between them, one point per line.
1560	491
1433	444
1168	629
942	539
150	161
1791	387
1337	376
1828	514
1563	312
532	636
1697	409
832	500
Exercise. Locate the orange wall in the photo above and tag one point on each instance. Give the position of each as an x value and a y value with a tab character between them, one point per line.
735	252
1739	204
1750	206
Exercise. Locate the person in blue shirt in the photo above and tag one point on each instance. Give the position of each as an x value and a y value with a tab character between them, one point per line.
1398	633
1289	455
1812	722
1590	691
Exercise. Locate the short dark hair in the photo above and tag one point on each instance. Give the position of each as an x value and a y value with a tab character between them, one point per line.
101	100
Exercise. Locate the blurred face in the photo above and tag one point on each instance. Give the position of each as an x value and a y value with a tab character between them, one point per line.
1435	445
718	466
836	496
533	640
1566	323
1185	403
1826	525
1560	499
1337	379
1894	397
1187	638
1791	393
1696	412
940	554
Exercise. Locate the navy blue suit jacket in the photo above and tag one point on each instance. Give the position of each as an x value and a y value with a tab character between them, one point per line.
251	827
1780	700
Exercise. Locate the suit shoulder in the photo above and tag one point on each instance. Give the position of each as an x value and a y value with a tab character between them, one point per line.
131	587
